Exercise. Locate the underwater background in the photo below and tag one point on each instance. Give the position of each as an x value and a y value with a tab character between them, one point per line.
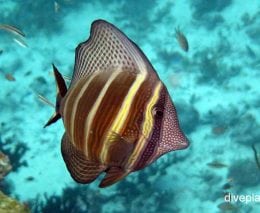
215	87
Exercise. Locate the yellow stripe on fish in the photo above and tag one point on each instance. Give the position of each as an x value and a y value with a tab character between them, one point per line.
123	113
146	126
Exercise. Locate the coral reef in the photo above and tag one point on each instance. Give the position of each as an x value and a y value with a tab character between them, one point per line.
9	205
15	150
5	166
78	199
15	154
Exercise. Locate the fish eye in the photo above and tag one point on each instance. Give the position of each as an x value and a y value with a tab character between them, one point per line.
158	113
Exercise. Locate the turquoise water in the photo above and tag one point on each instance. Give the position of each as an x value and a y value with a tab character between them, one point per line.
215	87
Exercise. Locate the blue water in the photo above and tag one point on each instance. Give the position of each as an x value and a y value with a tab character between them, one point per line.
215	87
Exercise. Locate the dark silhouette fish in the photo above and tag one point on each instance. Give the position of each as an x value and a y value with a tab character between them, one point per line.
182	40
216	164
117	114
11	29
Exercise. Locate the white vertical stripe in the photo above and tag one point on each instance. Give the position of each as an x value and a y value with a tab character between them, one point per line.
95	107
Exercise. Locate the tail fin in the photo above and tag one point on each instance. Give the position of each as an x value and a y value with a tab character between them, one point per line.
61	92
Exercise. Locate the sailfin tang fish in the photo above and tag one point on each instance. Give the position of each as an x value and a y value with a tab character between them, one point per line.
117	113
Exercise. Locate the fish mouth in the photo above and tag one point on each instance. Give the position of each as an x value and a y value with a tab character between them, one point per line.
184	144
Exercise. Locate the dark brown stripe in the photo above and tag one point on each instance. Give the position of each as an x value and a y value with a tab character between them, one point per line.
135	118
132	127
108	111
85	104
68	104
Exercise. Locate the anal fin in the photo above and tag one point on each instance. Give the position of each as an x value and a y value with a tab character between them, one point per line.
113	174
81	169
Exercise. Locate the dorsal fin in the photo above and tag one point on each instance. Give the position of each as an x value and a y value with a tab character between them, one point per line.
107	47
61	85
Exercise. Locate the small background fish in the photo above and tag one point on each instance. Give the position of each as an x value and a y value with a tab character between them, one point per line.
216	164
182	40
17	33
9	77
